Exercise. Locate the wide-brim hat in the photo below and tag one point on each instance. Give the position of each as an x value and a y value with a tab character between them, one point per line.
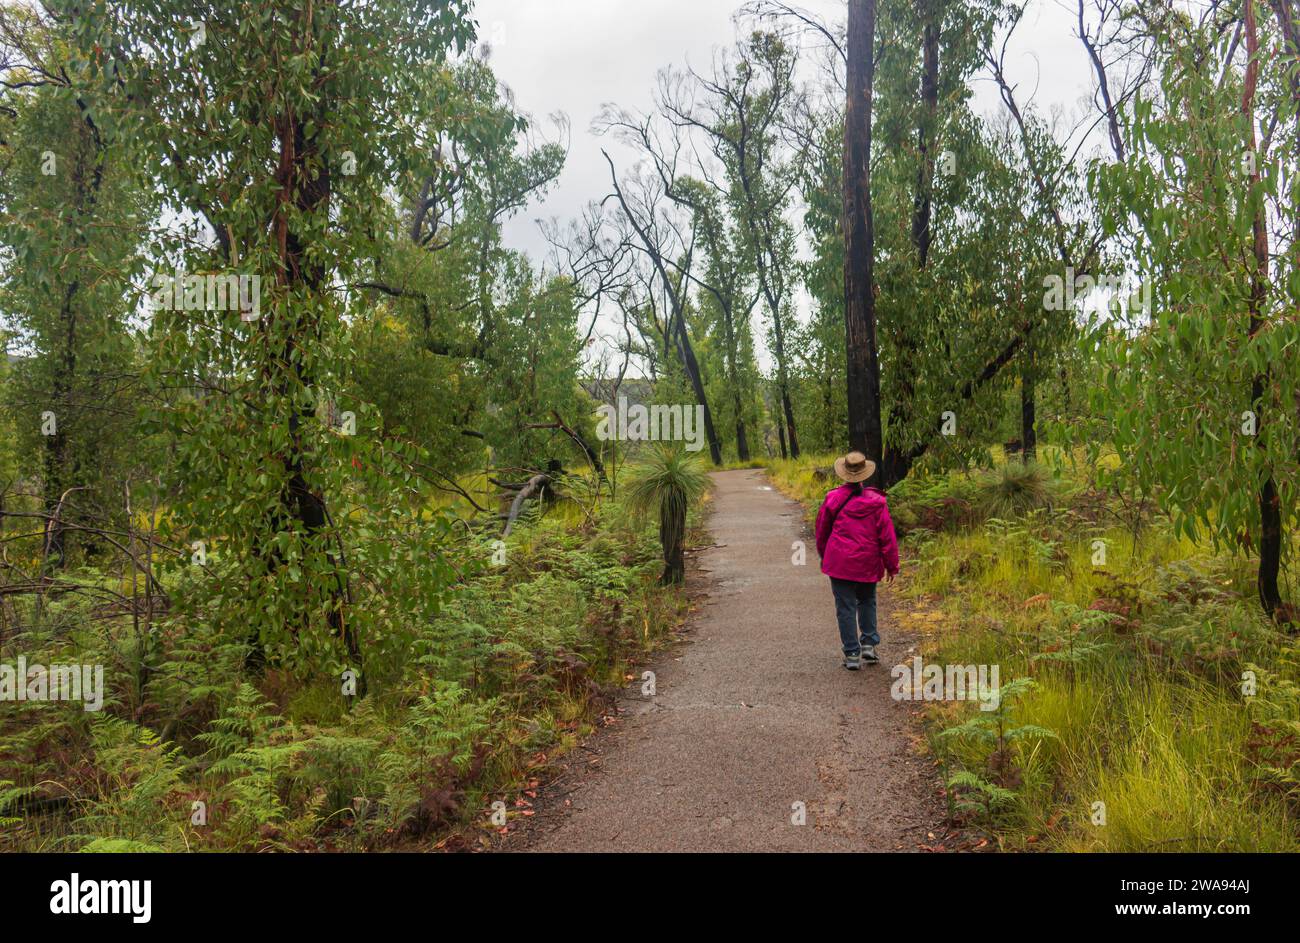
854	467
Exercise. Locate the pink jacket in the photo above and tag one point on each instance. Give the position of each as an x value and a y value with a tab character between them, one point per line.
855	536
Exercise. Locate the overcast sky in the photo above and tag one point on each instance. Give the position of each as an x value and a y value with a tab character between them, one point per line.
571	56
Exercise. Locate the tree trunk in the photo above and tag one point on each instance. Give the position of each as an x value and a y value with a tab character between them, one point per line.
783	376
924	199
1270	549
895	465
863	365
772	293
830	435
692	367
1270	515
672	538
533	488
58	474
742	441
789	419
1028	435
733	378
1028	408
309	194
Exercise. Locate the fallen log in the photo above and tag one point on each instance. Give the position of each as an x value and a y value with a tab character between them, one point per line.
535	487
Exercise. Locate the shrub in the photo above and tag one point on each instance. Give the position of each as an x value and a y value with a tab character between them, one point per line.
1013	490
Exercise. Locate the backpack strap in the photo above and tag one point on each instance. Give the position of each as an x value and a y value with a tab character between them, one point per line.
830	526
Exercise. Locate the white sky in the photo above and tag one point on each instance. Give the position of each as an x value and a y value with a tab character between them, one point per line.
571	56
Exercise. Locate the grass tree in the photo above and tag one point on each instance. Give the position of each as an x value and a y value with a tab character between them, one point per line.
666	482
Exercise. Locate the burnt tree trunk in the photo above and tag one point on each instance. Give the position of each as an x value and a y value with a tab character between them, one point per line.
58	473
1028	407
672	540
55	472
742	440
1270	512
1028	435
786	408
863	364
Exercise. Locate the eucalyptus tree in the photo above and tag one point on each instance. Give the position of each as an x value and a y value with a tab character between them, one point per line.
281	130
726	296
857	230
1202	387
448	296
651	222
925	245
1120	60
739	111
481	167
72	217
815	128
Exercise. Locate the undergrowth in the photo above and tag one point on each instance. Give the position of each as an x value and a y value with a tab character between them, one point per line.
1146	702
193	751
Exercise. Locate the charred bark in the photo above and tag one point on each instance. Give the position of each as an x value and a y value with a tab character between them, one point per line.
863	364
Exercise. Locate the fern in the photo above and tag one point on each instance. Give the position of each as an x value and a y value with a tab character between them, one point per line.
138	798
992	731
9	794
118	846
978	794
1275	743
436	746
252	761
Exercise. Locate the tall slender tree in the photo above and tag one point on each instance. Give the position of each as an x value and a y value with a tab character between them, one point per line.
863	358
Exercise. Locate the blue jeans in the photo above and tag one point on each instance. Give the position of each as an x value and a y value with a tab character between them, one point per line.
855	610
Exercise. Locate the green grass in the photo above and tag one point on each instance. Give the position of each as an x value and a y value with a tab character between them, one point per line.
1137	664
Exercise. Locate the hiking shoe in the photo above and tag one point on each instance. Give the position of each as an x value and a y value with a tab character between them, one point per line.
853	662
869	655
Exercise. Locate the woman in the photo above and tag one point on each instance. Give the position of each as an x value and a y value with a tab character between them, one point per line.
856	541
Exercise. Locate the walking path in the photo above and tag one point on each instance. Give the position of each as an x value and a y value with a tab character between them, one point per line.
752	717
